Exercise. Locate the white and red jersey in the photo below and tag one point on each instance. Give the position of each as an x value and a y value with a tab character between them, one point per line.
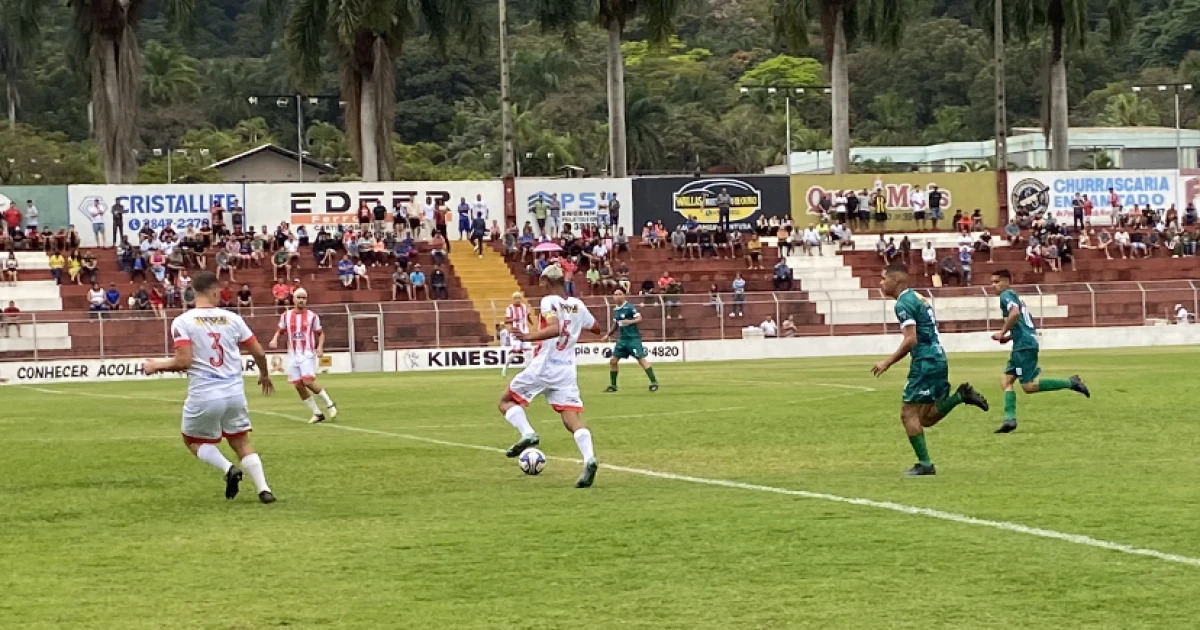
518	316
301	328
216	337
573	317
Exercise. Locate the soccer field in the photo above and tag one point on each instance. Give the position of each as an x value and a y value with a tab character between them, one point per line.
729	499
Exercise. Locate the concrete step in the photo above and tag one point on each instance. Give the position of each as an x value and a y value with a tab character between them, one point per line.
28	289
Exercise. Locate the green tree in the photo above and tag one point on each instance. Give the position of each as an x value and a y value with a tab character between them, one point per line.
1128	110
366	37
170	75
842	22
783	70
107	31
20	24
644	120
45	158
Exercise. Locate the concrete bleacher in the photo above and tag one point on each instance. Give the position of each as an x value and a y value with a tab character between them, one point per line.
35	293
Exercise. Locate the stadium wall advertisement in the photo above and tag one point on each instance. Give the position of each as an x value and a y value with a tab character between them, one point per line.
1054	190
579	199
673	200
967	191
1189	188
99	370
179	205
494	357
51	202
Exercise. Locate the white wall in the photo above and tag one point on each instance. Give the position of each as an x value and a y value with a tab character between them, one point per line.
93	370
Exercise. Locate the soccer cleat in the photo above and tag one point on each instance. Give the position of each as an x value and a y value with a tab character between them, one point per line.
1009	426
920	470
653	387
1078	386
972	397
525	442
266	497
317	418
610	389
332	411
589	474
233	477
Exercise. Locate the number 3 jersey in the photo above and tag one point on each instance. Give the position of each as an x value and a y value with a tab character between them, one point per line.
216	337
558	353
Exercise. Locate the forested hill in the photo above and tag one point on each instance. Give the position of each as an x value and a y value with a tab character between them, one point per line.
684	108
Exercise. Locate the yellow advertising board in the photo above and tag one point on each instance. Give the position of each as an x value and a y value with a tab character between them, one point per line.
962	191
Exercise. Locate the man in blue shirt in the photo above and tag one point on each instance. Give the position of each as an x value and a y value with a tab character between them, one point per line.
345	269
464	218
417	277
403	251
112	297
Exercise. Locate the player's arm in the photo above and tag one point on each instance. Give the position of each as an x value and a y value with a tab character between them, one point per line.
1010	322
181	362
553	329
252	346
320	342
909	330
281	328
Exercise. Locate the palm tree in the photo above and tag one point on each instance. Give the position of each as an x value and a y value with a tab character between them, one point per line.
1128	110
842	22
645	118
612	15
170	74
254	131
18	32
1068	23
540	74
107	33
367	36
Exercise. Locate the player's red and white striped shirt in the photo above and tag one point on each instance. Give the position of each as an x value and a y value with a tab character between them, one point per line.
301	328
518	314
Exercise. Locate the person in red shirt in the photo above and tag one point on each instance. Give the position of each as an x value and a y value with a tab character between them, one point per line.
226	296
568	267
282	293
12	218
665	281
10	318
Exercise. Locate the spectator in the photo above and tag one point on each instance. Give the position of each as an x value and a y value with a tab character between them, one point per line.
1122	241
917	200
881	248
302	236
1085	239
692	239
541	210
1013	232
226	296
1077	211
438	248
494	232
142	298
437	283
112	298
678	243
1065	253
890	252
244	298
842	235
724	201
170	295
478	233
977	220
735	244
768	327
673	291
217	219
720	240
650	236
789	327
936	200
366	249
32	218
96	214
1103	241
714	298
223	264
949	269
783	241
345	271
280	261
964	264
929	258
364	216
569	267
292	247
74	266
1033	254
379	214
10	268
964	222
811	240
739	296
593	279
782	276
964	240
404	252
417	279
1137	245
1190	214
281	292
905	249
621	241
1181	314
984	245
879	207
401	283
555	215
664	280
754	252
238	217
95	297
706	244
9	317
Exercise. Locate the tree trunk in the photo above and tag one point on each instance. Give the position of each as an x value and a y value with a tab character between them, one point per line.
368	131
11	92
508	160
840	82
617	140
116	84
1060	145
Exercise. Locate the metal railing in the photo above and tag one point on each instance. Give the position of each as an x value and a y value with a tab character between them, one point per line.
450	323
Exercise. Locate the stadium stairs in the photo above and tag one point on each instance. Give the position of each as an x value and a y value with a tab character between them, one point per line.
34	293
487	280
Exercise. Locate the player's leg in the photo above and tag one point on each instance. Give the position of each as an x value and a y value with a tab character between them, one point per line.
313	386
647	368
1032	383
521	390
911	415
236	429
201	429
567	402
614	367
1010	400
928	383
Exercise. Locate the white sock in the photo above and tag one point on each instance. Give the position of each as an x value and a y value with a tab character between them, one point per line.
325	396
312	404
210	454
252	464
516	417
583	439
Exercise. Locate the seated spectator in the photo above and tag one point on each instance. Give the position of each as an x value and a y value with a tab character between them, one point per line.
783	241
1065	252
494	231
141	298
9	318
593	279
597	255
301	236
74	267
647	293
244	298
964	223
156	302
691	239
437	284
1190	214
404	252
840	233
1103	240
380	252
983	245
1050	256
664	281
964	265
782	276
189	297
720	240
621	242
1013	232
170	295
112	297
417	279
1154	241
754	252
175	262
438	247
707	248
1137	245
1085	239
881	248
1121	238
811	238
950	270
401	283
281	262
281	293
650	236
607	281
768	327
199	246
1033	254
892	252
789	327
226	296
95	297
292	248
678	243
258	248
1181	315
223	265
345	271
977	220
10	268
671	301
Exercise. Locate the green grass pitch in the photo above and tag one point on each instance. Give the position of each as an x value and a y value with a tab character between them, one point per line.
108	522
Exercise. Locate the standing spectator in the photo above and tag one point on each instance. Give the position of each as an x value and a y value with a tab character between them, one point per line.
840	203
437	283
478	232
864	211
417	279
739	296
936	202
724	201
879	206
714	298
281	292
673	291
379	214
602	212
555	215
9	318
917	200
10	268
112	298
12	220
217	214
441	214
1077	211
364	216
244	298
464	218
768	327
569	266
614	210
541	211
481	207
32	217
238	216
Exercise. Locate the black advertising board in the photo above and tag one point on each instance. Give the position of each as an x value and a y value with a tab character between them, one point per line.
673	199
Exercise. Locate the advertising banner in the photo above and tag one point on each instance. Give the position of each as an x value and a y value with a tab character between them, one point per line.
579	198
960	191
158	205
673	200
1054	191
331	204
494	357
1189	188
51	203
96	370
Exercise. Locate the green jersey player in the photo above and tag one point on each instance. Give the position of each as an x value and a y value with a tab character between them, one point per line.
629	344
927	398
1023	362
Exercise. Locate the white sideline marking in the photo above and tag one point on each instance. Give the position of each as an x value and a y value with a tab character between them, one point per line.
953	517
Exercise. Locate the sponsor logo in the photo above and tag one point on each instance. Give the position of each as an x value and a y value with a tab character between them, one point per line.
436	359
1031	195
577	207
333	206
897	197
698	200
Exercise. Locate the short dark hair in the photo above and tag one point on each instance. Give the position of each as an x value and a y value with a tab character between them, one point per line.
1003	273
205	282
897	269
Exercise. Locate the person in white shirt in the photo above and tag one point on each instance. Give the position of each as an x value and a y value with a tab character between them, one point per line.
208	345
916	199
480	206
965	242
31	217
292	247
552	372
429	212
843	236
812	239
929	257
602	211
95	298
305	344
96	212
361	275
768	327
1121	238
1181	314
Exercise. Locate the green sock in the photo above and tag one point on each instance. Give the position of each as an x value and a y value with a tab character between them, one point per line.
918	446
612	376
947	404
1010	405
650	373
1053	384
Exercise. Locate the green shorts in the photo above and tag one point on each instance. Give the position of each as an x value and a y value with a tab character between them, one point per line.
626	349
1024	365
928	382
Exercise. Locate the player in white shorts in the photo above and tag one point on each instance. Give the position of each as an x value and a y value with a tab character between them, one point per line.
552	372
306	344
208	345
516	318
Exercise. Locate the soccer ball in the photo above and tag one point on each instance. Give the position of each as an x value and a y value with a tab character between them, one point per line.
532	461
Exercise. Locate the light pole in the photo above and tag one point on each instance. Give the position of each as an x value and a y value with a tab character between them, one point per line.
1176	88
789	90
285	101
